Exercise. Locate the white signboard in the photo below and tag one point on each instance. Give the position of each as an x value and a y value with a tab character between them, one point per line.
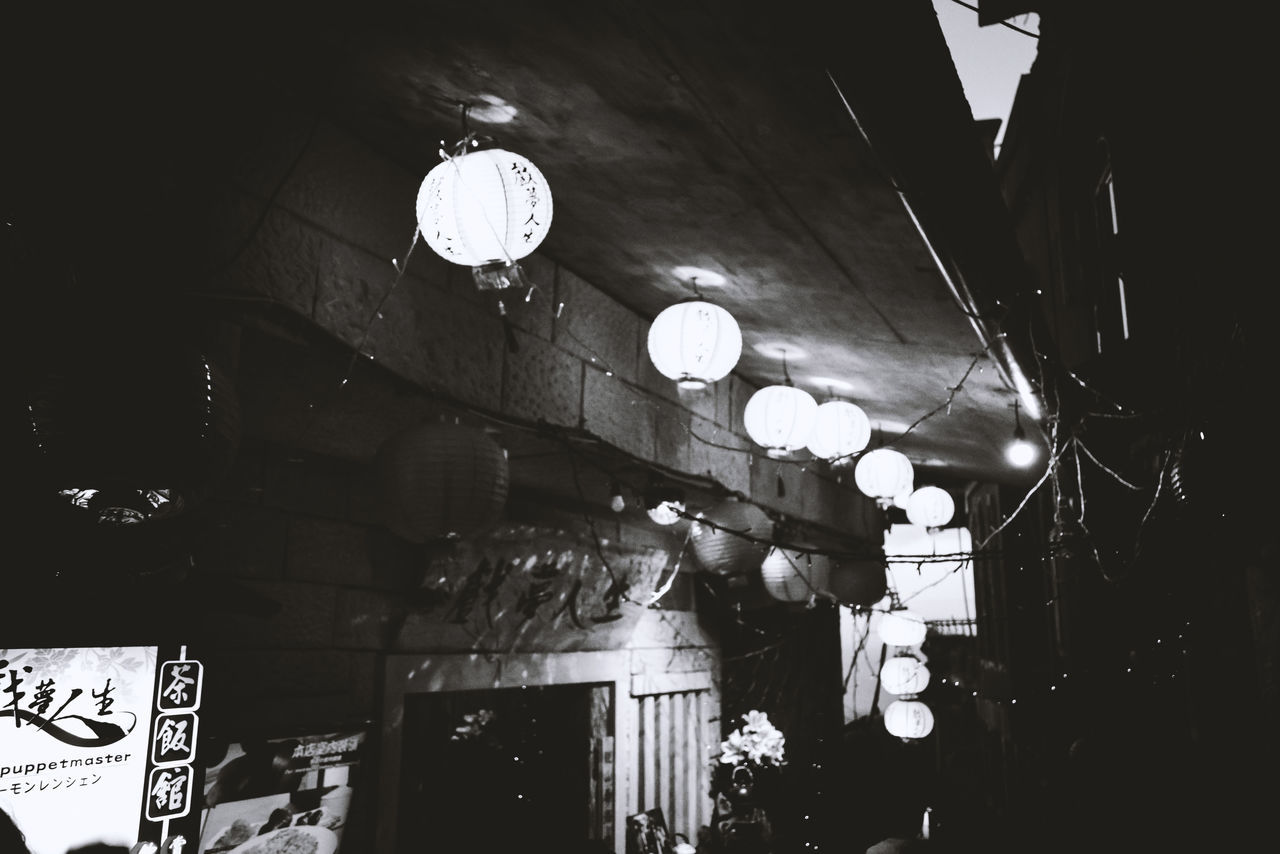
75	734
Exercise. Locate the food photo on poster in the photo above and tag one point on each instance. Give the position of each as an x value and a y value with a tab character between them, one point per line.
280	795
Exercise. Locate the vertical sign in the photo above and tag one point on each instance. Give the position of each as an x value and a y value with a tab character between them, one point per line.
74	728
173	740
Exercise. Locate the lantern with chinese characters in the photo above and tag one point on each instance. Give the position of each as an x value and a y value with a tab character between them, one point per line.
728	538
900	627
908	719
485	209
930	507
441	480
695	343
883	474
790	575
840	430
780	418
904	675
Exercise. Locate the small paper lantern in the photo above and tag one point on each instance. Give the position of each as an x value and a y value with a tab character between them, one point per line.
780	418
441	480
721	551
790	575
904	674
840	430
484	208
858	584
901	627
883	474
694	343
930	507
908	719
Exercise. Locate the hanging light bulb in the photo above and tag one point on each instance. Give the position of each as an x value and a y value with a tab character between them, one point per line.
930	507
695	343
840	430
484	208
617	502
1019	452
884	474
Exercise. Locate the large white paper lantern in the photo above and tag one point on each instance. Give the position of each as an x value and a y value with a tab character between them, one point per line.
883	474
727	538
780	418
694	343
901	627
908	719
484	208
790	575
840	430
930	507
904	674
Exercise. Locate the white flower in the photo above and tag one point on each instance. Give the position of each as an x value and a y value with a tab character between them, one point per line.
756	741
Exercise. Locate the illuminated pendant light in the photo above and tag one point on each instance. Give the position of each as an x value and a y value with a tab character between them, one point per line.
930	507
908	719
1019	452
780	418
840	430
695	343
884	474
485	209
904	675
900	627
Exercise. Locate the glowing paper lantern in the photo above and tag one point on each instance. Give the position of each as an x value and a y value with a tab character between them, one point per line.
930	507
908	719
904	674
883	474
780	418
694	343
790	575
901	627
840	430
722	551
858	584
441	480
485	209
666	512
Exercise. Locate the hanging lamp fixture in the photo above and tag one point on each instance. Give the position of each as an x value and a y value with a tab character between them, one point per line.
930	507
884	474
840	431
484	208
780	418
694	342
1019	452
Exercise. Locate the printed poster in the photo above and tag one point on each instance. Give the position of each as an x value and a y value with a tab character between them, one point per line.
281	796
75	728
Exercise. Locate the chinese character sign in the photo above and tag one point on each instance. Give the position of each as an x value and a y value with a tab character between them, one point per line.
74	731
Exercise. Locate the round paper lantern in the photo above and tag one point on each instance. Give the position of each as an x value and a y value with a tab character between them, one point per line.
721	551
908	719
904	674
930	507
901	627
483	207
790	575
883	474
858	584
780	418
694	343
840	430
441	480
128	428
